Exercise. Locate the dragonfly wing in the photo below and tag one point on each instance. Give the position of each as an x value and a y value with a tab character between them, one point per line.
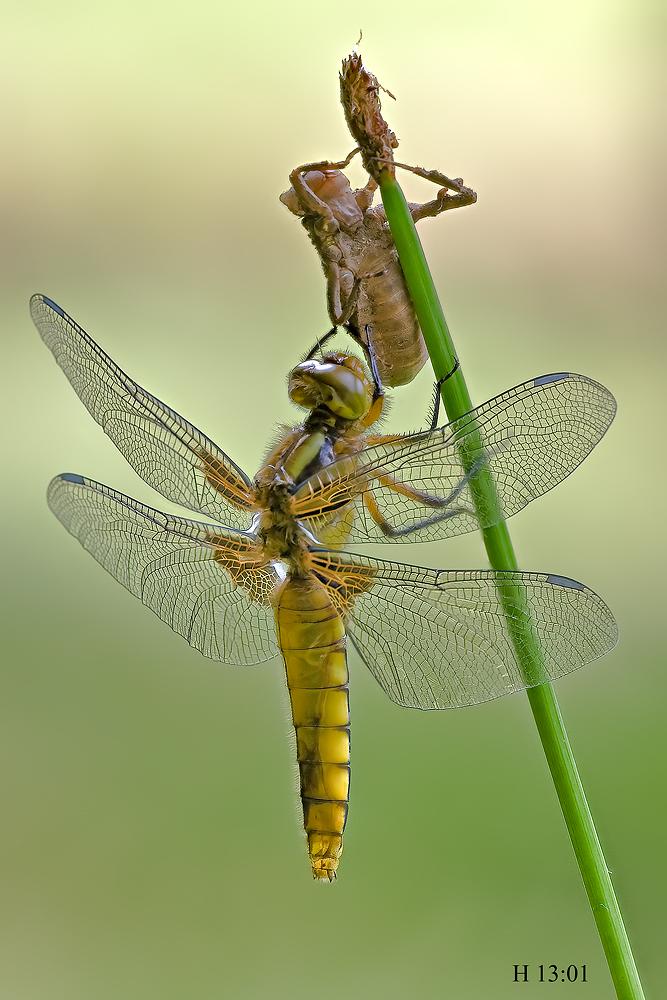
533	437
212	585
438	639
167	451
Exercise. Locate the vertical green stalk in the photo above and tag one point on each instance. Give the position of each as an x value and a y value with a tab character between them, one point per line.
501	555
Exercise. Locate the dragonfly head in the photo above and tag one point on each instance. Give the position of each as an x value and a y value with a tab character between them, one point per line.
338	382
333	188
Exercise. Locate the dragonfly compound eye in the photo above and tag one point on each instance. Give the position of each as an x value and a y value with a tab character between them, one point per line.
339	384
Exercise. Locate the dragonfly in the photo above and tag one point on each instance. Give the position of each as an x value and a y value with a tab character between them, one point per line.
268	572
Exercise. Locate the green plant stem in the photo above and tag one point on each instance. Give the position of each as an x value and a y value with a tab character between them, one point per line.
501	555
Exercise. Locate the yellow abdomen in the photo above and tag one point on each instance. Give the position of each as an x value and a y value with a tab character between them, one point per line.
311	635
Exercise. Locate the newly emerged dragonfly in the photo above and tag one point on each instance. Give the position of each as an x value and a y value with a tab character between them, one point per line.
265	575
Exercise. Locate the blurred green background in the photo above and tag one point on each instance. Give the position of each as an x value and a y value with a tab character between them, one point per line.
150	843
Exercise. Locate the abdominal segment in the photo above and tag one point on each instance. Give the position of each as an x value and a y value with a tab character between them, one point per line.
388	325
312	639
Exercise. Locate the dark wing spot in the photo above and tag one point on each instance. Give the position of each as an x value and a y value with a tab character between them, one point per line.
564	581
557	377
54	306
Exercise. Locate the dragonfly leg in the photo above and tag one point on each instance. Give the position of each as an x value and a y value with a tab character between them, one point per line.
426	522
428	499
434	413
388	529
370	503
436	176
371	358
308	201
444	504
320	342
327	164
443	201
340	308
364	196
396	439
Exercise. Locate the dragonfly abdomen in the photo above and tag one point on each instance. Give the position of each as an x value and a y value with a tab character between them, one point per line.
312	640
395	336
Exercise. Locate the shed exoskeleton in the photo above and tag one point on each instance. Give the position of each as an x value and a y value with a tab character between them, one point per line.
366	290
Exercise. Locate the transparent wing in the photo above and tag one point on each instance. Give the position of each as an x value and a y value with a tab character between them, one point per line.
169	454
438	639
208	583
533	437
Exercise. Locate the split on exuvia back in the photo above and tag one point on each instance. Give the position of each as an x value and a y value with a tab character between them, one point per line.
265	574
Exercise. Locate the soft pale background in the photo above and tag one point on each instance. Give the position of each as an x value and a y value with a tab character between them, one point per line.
150	843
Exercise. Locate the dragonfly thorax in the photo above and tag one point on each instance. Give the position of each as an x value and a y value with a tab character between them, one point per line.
281	536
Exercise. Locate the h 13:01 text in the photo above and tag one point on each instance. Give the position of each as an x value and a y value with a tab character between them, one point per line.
551	974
